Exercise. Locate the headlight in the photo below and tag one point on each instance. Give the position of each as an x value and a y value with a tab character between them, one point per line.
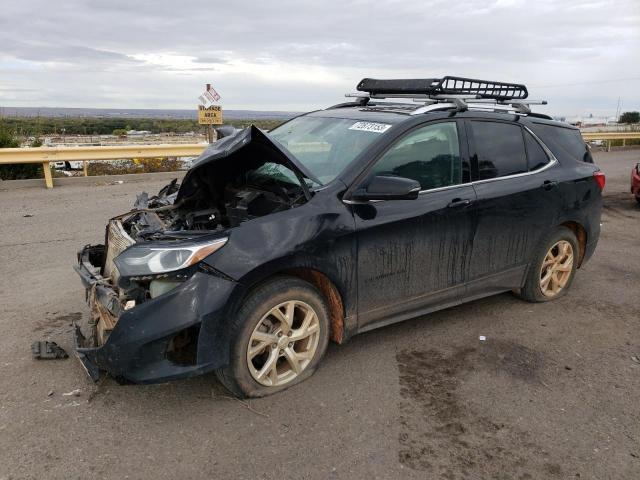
140	259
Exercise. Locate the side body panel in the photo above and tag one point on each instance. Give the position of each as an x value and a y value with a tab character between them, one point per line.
513	215
413	255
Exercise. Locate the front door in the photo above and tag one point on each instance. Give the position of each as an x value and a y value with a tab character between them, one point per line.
413	255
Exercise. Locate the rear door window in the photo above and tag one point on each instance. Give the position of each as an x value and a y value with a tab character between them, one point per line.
536	155
499	148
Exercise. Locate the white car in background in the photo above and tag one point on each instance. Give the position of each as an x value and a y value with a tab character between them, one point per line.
73	165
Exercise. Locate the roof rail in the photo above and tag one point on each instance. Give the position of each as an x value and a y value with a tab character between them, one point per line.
462	104
448	85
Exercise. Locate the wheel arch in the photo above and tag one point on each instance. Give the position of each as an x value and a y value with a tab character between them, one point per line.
323	283
581	234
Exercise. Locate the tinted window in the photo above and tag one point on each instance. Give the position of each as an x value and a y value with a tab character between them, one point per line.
499	148
565	143
535	153
429	155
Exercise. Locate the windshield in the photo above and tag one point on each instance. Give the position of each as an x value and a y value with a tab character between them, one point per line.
272	172
327	145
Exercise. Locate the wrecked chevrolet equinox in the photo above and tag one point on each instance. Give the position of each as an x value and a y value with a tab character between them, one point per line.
337	222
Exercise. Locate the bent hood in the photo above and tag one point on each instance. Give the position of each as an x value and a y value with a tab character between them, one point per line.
250	148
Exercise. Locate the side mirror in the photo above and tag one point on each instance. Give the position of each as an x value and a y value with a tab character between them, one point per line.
388	188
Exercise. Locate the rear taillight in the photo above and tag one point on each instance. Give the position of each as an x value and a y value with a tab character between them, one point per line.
600	179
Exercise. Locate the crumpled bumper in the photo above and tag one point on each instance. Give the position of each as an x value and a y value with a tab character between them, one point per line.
136	350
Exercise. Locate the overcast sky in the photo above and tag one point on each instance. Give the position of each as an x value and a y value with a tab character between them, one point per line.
298	55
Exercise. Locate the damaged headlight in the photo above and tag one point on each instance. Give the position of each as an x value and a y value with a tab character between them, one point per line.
140	259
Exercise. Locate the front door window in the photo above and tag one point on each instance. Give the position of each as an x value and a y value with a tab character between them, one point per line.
430	155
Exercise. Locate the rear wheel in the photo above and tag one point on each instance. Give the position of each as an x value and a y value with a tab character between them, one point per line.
280	335
553	268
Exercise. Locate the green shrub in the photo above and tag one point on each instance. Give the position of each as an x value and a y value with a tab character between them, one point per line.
19	171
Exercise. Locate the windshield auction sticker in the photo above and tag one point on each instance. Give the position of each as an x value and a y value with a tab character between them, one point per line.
370	127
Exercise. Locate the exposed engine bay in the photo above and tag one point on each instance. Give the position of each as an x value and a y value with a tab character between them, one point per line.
240	199
222	190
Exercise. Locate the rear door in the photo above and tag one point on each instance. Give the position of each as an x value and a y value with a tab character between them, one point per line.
517	202
413	254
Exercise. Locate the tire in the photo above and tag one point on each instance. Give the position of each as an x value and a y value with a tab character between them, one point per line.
638	200
558	278
262	323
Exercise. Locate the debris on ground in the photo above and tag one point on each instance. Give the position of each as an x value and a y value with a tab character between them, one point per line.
27	215
50	394
482	338
244	403
72	393
43	350
635	358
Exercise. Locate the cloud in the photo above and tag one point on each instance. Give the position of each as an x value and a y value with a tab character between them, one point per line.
46	53
207	59
300	55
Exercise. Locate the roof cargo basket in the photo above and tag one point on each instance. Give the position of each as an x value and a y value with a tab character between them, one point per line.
446	86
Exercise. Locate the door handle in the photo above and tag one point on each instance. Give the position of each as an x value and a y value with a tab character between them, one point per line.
459	202
549	184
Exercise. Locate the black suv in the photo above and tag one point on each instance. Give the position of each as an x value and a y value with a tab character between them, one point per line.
337	222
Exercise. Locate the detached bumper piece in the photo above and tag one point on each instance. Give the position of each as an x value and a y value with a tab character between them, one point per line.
47	351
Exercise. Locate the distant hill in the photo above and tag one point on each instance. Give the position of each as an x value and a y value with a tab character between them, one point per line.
138	113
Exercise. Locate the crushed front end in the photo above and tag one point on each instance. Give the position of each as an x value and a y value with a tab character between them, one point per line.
158	309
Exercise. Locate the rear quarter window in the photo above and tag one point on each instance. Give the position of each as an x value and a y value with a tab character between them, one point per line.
565	143
537	157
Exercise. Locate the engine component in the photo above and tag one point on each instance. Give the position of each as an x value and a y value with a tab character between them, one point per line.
250	204
202	219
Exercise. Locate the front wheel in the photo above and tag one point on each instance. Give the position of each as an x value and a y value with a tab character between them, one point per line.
554	266
279	337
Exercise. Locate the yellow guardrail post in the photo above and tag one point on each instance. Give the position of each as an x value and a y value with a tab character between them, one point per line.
48	179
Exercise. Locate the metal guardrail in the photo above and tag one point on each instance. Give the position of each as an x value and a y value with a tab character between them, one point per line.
608	136
45	155
611	135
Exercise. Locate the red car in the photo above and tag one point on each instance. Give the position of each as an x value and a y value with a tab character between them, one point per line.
635	182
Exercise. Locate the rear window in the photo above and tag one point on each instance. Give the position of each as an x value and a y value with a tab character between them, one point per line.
499	148
565	143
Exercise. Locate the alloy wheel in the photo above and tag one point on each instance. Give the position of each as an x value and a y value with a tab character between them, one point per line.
283	343
556	268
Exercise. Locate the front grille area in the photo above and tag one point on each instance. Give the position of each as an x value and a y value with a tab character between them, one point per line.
117	241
